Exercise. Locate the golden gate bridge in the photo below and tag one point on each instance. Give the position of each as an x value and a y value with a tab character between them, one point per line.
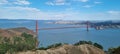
37	28
53	28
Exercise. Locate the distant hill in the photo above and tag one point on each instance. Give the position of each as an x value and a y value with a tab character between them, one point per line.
68	49
15	32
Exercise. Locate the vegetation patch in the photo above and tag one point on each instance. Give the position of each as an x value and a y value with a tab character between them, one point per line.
17	43
90	43
114	50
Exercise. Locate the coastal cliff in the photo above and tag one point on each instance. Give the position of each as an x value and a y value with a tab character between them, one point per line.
15	32
68	49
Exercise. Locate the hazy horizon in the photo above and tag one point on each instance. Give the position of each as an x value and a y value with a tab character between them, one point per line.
57	19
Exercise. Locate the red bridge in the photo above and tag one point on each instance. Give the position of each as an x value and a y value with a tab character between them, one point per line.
61	27
37	28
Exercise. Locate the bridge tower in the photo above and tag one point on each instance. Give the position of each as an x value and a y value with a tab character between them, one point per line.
36	27
37	42
87	23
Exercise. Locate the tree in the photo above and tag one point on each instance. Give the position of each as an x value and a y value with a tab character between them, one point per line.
25	35
83	42
54	45
98	45
90	43
114	50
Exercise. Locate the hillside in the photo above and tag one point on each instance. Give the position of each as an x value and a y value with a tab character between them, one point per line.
15	32
68	49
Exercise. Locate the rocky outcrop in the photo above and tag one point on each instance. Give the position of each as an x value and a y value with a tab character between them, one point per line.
68	49
15	32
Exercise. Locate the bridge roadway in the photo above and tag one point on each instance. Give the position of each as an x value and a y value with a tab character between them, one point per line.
62	27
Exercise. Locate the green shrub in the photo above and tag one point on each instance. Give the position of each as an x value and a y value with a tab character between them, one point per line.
51	46
83	42
98	45
42	48
4	48
114	50
90	43
54	45
18	43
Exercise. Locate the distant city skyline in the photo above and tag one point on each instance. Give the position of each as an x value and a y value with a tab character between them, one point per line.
60	9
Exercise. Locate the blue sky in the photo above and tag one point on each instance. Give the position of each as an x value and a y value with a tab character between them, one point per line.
60	9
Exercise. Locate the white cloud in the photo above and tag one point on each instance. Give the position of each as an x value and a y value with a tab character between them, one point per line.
82	0
29	13
114	12
88	6
19	12
50	3
22	8
97	2
14	2
60	1
22	2
2	2
57	2
34	13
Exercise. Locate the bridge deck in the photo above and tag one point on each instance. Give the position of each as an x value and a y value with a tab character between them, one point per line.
62	27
